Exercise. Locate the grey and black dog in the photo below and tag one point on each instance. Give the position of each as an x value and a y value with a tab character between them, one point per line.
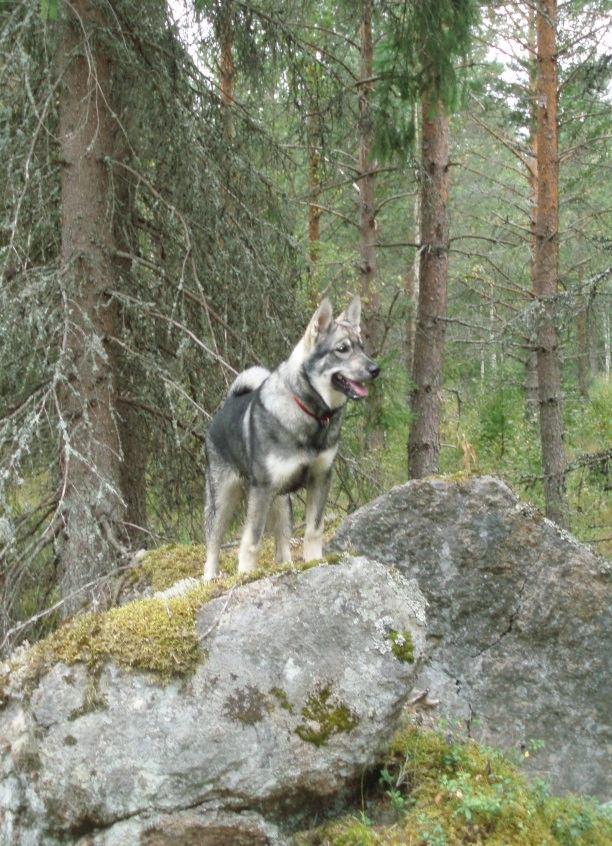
277	432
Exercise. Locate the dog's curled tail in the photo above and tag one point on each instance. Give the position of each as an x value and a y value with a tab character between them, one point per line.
247	381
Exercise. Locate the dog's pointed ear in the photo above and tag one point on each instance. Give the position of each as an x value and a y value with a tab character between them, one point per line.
321	321
352	313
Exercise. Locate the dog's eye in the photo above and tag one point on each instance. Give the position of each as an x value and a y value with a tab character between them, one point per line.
343	347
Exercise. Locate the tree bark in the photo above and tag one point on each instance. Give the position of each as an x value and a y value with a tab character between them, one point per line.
372	328
425	400
92	507
546	272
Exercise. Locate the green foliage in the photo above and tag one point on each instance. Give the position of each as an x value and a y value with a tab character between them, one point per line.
594	419
452	793
48	10
418	56
391	787
217	275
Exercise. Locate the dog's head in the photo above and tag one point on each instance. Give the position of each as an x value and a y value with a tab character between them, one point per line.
334	360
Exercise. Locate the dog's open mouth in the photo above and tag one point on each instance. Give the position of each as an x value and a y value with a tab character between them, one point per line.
353	390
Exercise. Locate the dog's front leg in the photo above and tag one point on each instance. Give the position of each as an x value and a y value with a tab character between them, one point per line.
258	507
316	497
281	523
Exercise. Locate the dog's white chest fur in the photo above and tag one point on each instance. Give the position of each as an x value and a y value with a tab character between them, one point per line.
282	470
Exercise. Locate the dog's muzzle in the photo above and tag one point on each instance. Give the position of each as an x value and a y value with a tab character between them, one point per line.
353	388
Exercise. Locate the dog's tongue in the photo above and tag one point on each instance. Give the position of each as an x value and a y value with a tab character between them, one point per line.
359	389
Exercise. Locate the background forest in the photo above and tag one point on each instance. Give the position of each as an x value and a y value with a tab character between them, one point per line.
182	183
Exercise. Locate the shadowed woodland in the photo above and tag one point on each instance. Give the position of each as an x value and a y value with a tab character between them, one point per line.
183	182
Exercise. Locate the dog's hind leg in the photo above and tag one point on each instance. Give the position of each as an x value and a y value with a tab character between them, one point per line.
281	523
258	507
222	497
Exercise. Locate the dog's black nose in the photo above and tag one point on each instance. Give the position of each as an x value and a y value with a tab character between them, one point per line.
374	370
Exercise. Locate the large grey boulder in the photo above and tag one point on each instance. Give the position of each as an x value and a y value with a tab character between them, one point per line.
518	620
301	685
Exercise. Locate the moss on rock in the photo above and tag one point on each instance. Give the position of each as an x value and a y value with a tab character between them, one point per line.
282	698
155	634
324	716
446	793
164	566
148	634
402	645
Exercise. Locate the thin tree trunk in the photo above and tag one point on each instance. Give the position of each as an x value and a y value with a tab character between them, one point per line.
372	329
411	293
92	506
607	351
583	352
425	401
546	272
411	280
531	387
591	316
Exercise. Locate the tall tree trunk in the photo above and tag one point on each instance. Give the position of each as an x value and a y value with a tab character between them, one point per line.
92	505
372	329
425	400
546	271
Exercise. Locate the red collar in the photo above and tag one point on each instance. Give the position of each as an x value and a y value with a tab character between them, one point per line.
323	420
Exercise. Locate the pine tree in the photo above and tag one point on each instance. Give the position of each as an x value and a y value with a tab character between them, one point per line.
546	269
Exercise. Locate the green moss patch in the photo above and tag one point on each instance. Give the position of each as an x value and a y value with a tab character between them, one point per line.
324	716
149	634
164	566
433	792
154	634
402	645
282	698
